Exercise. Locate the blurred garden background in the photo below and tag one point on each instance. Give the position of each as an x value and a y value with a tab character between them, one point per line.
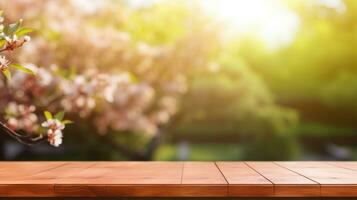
186	80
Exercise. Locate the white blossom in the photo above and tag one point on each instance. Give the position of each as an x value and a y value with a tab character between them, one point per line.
27	38
54	137
4	63
54	131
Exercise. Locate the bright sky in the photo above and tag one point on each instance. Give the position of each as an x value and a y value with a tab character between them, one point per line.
269	19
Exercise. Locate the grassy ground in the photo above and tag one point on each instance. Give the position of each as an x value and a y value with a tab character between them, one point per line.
201	152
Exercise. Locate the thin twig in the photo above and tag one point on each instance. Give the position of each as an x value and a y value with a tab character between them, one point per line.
4	49
27	140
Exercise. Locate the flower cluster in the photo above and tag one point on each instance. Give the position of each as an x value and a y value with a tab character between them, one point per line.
21	117
54	126
12	42
12	36
54	131
112	101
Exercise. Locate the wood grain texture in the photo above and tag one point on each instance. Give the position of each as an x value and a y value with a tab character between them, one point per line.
123	179
14	170
244	181
334	181
17	179
178	179
286	183
348	165
202	179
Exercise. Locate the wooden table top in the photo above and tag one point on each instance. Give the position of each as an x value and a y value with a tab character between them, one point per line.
178	179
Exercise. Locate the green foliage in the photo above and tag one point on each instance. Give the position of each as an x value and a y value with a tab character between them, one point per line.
341	92
2	42
163	23
23	31
6	73
10	29
9	42
22	68
59	115
322	52
48	115
235	97
67	122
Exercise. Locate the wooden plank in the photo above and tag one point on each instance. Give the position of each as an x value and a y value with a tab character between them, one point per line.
348	165
177	179
335	181
124	179
140	172
286	183
205	173
202	179
16	179
155	179
20	169
55	175
244	181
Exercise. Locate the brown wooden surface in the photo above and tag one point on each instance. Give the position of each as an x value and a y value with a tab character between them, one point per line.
202	179
16	178
244	181
123	179
286	183
334	181
178	179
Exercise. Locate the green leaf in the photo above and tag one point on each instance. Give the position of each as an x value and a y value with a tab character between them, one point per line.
133	78
10	29
67	122
7	74
60	115
2	42
1	12
22	68
48	115
23	31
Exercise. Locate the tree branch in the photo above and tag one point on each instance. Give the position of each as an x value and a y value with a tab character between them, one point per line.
27	140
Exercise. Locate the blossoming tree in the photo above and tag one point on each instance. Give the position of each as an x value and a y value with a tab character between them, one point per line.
101	74
120	72
12	37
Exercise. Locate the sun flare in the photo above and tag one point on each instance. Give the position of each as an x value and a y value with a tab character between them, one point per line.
268	19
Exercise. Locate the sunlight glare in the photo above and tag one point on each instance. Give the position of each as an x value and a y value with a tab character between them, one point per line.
269	19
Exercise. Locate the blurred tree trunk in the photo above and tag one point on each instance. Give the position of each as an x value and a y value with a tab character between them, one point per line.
3	137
